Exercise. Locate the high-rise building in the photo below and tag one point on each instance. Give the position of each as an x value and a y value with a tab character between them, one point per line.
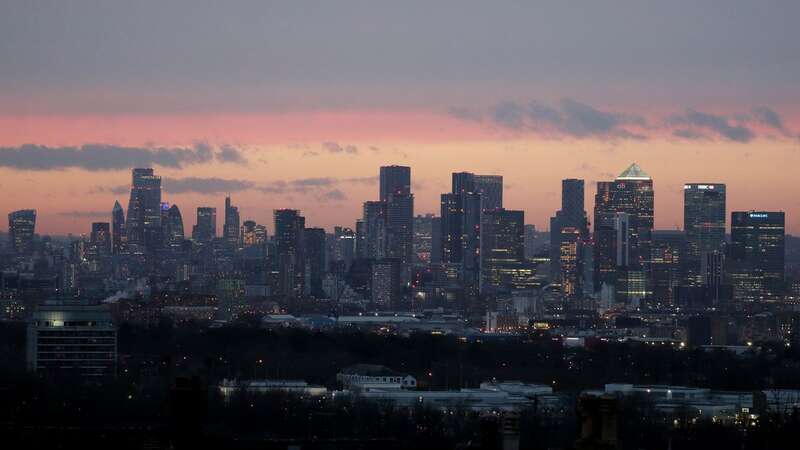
374	224
289	226
530	240
704	225
490	187
386	283
570	262
667	253
757	254
315	267
394	180
423	238
173	227
571	215
21	229
502	251
119	235
205	229
253	234
630	193
400	230
100	239
344	246
230	228
144	211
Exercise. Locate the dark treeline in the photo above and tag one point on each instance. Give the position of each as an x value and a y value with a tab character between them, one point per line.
144	405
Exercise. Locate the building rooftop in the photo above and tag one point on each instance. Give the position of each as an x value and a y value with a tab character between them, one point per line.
633	172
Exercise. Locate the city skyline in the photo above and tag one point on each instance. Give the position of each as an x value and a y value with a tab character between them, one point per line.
302	118
79	222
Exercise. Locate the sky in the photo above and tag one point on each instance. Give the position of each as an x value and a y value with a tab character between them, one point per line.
298	103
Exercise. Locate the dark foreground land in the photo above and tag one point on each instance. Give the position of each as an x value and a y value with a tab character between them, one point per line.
165	393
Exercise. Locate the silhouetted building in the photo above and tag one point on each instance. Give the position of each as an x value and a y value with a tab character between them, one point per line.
757	254
253	234
666	264
423	238
100	240
394	180
315	267
387	283
502	252
21	229
230	228
205	229
374	225
631	193
571	216
704	225
119	235
289	226
143	223
172	222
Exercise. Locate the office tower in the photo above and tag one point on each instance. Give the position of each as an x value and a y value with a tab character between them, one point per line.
394	180
667	254
230	297
143	223
757	254
423	238
21	229
630	193
374	224
571	215
289	226
502	251
530	240
400	229
436	240
712	269
570	262
253	234
387	283
173	227
205	229
230	228
344	246
361	239
490	187
315	267
118	234
100	238
451	213
704	225
59	336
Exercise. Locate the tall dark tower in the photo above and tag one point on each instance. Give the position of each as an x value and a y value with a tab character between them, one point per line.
704	225
289	226
630	193
571	215
757	254
144	211
21	229
205	229
230	229
502	248
173	227
118	234
394	180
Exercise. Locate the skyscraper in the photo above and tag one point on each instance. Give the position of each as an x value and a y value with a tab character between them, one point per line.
502	252
21	229
205	229
230	228
400	230
100	239
374	230
571	215
144	211
394	180
704	225
423	238
490	187
630	193
118	234
314	253
289	226
757	254
253	234
173	227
